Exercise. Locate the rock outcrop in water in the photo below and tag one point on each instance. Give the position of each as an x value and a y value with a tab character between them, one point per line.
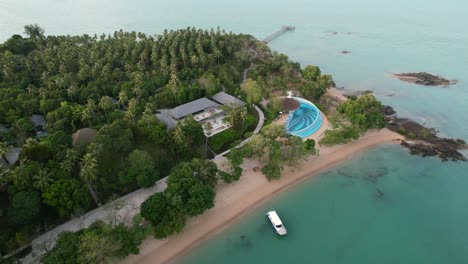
424	141
424	78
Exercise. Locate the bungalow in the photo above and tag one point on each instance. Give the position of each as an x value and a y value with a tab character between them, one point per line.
11	157
83	136
227	99
40	124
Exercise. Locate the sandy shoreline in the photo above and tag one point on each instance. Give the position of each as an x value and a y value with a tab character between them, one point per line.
236	199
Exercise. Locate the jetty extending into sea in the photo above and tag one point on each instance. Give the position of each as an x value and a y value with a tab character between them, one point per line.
278	33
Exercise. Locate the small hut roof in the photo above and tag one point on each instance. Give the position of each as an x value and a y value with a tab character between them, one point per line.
38	120
289	104
12	156
84	136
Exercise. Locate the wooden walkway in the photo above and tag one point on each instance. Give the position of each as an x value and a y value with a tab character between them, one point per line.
278	33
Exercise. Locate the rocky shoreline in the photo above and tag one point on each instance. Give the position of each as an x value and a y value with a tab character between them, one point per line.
424	141
424	78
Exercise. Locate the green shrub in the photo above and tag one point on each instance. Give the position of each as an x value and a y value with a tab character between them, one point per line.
364	112
339	135
272	171
231	177
223	139
425	133
310	145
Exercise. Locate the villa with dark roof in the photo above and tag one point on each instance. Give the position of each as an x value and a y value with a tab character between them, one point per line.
39	124
206	111
11	157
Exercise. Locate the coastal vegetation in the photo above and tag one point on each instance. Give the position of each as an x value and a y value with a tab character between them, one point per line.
315	83
352	118
189	192
275	148
112	84
99	243
242	121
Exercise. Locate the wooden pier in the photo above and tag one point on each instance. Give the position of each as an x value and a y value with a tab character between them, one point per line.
278	33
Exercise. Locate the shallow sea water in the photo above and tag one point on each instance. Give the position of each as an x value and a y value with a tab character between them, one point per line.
376	208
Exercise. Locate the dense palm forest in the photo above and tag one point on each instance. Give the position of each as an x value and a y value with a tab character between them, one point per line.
113	84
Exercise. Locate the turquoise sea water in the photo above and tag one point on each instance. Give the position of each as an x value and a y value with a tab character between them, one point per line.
377	208
337	217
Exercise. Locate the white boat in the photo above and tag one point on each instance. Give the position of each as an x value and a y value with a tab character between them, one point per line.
276	223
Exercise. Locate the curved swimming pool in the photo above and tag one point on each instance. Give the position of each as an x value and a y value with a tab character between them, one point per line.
305	120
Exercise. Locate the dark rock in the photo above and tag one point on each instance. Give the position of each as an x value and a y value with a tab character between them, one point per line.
424	78
425	142
388	110
445	153
380	194
345	52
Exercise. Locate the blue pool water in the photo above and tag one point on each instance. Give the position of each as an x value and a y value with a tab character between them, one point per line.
305	120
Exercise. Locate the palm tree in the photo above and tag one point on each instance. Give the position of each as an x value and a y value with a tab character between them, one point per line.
91	105
148	114
86	115
71	91
123	99
217	54
4	175
242	116
30	142
132	110
88	174
42	180
194	60
4	149
179	136
19	177
68	165
106	104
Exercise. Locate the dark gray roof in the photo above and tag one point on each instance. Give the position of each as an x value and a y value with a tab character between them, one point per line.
165	118
12	156
192	108
227	99
114	100
38	120
3	129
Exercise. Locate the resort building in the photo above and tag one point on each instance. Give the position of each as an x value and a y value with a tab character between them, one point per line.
11	157
208	112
